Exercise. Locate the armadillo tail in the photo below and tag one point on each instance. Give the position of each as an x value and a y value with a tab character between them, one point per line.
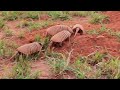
13	55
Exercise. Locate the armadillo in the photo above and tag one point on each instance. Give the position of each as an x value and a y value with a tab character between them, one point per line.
60	37
57	28
28	49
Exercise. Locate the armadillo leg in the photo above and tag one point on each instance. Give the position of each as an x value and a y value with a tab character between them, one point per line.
76	32
50	44
39	52
13	55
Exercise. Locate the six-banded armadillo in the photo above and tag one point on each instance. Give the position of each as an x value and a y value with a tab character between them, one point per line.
60	37
59	34
58	28
77	28
28	49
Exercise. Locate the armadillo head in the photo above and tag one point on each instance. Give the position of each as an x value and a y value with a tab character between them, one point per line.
77	28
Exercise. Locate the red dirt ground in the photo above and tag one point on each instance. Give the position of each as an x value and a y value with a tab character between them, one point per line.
115	20
86	44
83	44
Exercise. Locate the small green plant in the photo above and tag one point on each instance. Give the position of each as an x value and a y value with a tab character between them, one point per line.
59	62
99	30
32	14
23	71
94	31
97	66
11	15
23	24
79	13
114	33
103	28
56	61
34	26
96	58
2	23
8	32
37	38
45	24
58	15
80	68
46	42
5	50
110	69
11	44
97	18
21	35
2	47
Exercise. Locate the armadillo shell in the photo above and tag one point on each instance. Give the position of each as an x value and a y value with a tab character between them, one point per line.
31	48
61	36
58	28
78	26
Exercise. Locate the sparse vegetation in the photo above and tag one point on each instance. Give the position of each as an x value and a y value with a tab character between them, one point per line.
32	14
79	13
5	50
93	32
33	26
37	26
25	24
11	15
113	33
100	30
58	62
22	70
99	67
2	23
21	34
97	18
37	38
59	15
8	32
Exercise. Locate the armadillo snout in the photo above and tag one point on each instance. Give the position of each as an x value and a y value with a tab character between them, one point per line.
79	31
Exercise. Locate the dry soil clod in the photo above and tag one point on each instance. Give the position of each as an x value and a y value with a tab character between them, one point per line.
28	49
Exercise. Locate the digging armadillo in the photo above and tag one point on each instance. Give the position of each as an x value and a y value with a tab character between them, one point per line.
28	49
77	28
60	37
57	28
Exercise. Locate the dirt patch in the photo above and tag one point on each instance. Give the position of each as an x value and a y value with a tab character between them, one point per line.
43	67
114	20
5	68
84	44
